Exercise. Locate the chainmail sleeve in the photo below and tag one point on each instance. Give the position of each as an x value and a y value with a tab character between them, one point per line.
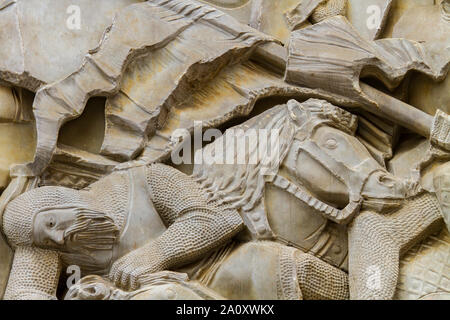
196	225
174	193
34	275
328	9
376	243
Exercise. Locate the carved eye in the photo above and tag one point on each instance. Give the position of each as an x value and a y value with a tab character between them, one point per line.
51	223
331	143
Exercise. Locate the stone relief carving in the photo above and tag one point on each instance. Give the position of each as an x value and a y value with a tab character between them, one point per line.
247	150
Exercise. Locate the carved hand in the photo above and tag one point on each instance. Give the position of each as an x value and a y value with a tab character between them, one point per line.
127	271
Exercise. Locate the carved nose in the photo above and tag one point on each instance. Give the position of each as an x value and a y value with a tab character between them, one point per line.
58	237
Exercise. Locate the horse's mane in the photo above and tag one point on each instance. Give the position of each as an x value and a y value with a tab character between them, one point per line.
241	186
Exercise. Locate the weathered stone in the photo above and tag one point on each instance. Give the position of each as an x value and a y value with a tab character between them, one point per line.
344	57
227	40
42	41
369	16
5	264
17	145
421	271
15	105
357	58
86	132
308	172
266	16
425	93
75	168
398	8
8	104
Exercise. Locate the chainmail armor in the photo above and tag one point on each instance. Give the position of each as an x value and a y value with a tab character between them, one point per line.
168	189
329	9
319	280
19	214
109	195
376	243
288	287
196	226
34	275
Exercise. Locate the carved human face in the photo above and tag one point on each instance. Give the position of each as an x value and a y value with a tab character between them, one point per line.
74	230
83	237
50	227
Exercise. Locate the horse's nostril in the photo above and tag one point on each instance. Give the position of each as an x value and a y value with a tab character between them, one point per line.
386	181
91	290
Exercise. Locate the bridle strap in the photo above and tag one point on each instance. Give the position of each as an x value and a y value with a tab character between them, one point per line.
353	178
343	216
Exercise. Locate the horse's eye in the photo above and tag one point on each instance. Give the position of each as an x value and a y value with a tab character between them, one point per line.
331	143
51	223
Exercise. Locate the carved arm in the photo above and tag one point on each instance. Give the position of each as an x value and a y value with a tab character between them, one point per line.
196	227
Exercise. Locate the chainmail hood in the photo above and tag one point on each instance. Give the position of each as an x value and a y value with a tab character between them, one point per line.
109	195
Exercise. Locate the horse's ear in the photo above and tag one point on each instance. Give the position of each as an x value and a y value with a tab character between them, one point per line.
297	112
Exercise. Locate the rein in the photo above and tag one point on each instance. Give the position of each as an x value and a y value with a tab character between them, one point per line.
343	216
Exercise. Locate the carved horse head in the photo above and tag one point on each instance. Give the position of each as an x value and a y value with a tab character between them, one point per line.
320	161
